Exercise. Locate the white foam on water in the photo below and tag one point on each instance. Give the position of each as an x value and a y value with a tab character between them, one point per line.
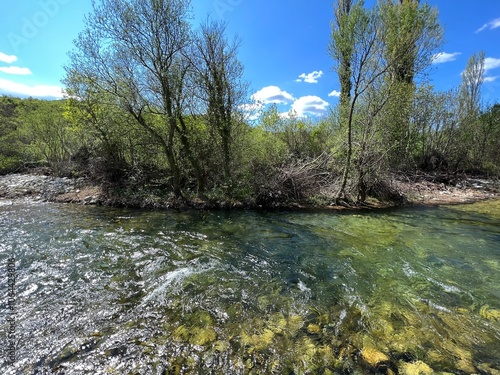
408	271
32	288
303	287
435	305
6	202
173	280
446	287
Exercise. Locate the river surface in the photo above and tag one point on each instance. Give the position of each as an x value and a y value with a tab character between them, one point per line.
115	291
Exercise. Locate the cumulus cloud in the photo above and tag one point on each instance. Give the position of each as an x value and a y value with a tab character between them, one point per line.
491	78
301	107
491	63
335	94
272	94
310	105
490	25
9	59
310	77
443	57
251	111
38	91
15	70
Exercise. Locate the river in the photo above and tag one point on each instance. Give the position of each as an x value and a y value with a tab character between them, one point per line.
117	291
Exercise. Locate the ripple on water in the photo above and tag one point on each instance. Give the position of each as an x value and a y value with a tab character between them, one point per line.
123	291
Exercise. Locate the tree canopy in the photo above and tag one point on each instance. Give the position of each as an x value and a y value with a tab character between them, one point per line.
156	111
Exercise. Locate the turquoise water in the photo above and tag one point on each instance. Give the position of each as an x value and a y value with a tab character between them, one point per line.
114	291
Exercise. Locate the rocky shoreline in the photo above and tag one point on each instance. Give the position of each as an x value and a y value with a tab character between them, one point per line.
48	189
438	190
426	190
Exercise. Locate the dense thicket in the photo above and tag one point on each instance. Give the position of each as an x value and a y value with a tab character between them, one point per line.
157	108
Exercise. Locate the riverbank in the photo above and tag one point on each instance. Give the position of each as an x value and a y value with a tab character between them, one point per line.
436	189
415	190
49	189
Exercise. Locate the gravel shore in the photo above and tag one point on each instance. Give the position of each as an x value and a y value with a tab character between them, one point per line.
48	189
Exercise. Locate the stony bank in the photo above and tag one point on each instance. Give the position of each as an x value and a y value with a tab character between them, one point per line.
420	190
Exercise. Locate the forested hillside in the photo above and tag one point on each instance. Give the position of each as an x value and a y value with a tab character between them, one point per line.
158	108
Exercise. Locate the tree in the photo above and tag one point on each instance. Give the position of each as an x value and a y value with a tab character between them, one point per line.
217	78
383	48
411	35
133	50
13	145
435	118
470	87
344	55
490	140
355	35
52	138
113	147
469	111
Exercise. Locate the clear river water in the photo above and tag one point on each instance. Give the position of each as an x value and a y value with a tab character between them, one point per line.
117	291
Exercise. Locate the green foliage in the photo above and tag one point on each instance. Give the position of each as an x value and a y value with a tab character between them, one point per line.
52	139
156	112
12	156
34	133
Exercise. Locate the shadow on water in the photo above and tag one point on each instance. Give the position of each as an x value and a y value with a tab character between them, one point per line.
117	291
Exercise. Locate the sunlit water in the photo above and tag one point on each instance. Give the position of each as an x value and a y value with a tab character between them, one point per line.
109	291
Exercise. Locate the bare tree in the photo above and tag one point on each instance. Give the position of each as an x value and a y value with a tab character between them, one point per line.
132	49
355	34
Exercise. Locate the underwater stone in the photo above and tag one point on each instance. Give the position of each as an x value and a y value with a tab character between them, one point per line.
490	314
203	336
466	366
415	368
313	329
488	370
221	346
259	342
373	357
295	322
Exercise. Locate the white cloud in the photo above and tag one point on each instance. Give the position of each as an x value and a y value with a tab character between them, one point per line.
335	94
491	63
491	79
272	94
310	77
443	57
9	59
251	111
490	25
15	70
310	105
38	91
303	106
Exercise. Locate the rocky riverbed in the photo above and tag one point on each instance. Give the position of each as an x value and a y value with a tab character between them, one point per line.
48	188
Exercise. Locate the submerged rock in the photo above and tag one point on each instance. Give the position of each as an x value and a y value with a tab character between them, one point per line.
373	358
415	368
313	329
489	313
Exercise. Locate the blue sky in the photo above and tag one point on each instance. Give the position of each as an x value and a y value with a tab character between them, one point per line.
284	48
